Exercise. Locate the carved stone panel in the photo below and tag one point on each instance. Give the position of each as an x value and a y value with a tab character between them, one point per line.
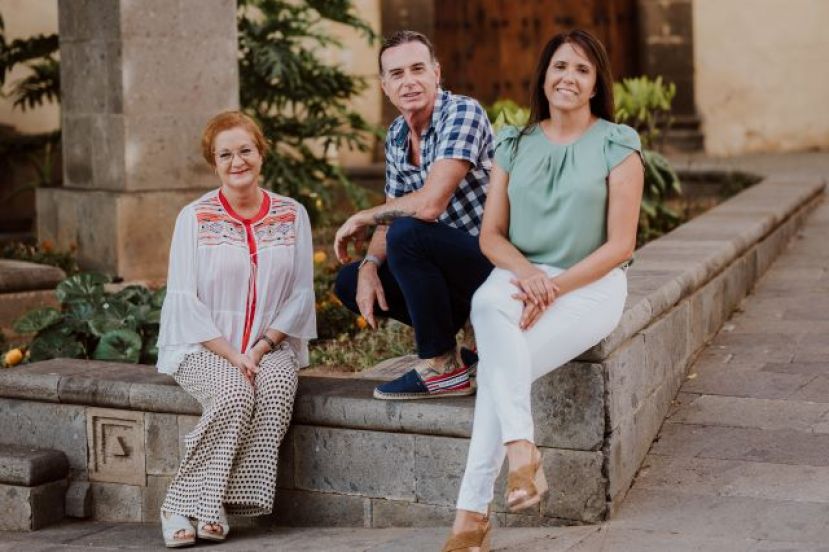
116	446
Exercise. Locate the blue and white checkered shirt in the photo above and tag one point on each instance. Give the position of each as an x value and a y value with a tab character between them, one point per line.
459	129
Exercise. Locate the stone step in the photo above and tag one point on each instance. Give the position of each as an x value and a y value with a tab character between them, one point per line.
32	487
27	466
25	276
14	305
25	286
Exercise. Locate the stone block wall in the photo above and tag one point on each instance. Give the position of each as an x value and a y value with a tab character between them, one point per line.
127	456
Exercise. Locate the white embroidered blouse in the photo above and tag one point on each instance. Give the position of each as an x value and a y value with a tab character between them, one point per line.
235	277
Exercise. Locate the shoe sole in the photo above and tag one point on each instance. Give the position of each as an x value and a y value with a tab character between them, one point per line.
179	544
415	396
212	538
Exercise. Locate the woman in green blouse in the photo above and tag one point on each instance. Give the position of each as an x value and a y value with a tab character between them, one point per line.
560	222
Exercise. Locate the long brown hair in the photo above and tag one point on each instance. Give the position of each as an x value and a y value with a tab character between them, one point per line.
601	104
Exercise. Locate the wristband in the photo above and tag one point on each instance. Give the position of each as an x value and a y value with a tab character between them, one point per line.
369	259
271	343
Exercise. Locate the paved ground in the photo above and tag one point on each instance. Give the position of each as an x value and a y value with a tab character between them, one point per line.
741	464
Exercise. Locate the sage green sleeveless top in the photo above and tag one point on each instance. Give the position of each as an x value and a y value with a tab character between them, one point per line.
558	193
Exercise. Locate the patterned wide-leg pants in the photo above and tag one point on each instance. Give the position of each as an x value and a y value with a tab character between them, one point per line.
231	456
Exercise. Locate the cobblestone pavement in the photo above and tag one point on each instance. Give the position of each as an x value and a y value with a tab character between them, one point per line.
740	465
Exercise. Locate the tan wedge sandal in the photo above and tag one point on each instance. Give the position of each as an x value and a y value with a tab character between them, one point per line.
531	480
469	540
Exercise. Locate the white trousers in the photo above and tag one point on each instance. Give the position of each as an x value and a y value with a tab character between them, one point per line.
511	359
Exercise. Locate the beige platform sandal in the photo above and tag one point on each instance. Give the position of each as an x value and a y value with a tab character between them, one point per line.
171	525
206	534
531	480
470	540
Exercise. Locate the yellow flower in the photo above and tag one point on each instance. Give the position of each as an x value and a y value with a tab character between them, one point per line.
13	357
362	323
320	257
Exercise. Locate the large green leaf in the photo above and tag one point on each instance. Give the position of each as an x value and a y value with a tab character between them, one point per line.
36	320
83	310
81	287
112	314
55	344
119	345
80	313
153	316
103	325
158	297
139	315
136	295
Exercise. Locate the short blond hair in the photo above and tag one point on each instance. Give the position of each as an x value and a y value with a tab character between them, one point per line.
226	121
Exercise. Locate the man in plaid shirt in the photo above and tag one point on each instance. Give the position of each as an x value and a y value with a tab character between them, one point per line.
423	262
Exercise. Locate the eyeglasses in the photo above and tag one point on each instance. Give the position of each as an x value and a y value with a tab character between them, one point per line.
225	157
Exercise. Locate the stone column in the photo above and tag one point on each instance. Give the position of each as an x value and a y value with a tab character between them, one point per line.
139	79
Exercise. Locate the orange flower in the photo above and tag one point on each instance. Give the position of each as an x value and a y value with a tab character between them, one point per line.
47	246
13	357
320	257
362	323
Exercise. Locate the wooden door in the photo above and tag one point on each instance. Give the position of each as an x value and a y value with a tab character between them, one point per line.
488	48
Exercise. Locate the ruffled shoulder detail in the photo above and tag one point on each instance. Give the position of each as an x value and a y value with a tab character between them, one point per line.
505	146
506	134
620	142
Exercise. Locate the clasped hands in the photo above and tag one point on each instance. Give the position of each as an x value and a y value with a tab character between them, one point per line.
537	291
248	364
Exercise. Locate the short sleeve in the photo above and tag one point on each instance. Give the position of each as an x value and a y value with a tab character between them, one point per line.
395	186
186	322
463	132
505	147
621	141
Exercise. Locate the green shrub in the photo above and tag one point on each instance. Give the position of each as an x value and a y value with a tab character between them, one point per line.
301	100
505	112
661	183
644	104
94	323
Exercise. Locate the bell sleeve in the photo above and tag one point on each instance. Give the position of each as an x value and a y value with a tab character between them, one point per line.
296	316
621	142
186	322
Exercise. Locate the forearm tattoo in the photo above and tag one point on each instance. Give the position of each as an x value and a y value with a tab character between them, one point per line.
386	217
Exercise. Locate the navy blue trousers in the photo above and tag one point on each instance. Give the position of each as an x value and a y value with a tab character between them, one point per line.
429	276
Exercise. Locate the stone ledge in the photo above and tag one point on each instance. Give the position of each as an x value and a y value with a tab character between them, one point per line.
321	401
674	266
29	466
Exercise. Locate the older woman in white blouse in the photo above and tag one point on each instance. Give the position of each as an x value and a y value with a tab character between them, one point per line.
234	328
